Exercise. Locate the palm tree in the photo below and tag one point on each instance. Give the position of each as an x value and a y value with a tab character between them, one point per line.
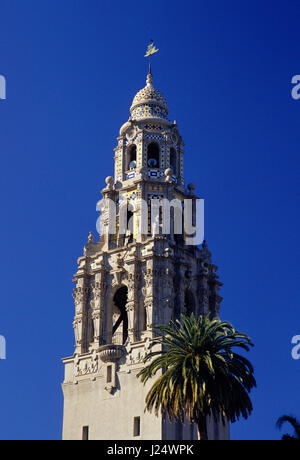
295	424
201	375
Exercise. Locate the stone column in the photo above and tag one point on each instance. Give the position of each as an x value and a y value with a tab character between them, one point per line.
99	290
132	303
80	295
149	295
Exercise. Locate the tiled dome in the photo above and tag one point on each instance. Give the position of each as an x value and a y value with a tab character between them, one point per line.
149	103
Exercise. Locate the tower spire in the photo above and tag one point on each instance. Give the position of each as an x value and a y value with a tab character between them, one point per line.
149	80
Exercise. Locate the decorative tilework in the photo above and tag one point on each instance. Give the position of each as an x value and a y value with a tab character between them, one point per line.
154	137
152	127
130	175
155	173
118	163
149	111
149	103
162	157
149	93
139	155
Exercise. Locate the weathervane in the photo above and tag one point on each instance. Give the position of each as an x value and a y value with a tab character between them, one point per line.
150	50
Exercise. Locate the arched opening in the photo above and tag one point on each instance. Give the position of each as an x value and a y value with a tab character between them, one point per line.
131	157
189	303
120	319
153	155
173	160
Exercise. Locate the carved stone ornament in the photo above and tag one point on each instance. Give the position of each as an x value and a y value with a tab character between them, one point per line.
86	366
137	355
131	133
111	353
80	294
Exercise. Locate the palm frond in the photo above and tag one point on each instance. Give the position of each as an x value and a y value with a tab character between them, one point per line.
293	422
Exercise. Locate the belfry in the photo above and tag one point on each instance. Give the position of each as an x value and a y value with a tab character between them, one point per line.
131	280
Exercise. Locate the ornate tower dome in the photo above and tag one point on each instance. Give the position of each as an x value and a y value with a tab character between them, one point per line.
149	102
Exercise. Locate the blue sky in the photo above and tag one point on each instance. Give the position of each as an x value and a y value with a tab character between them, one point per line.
72	69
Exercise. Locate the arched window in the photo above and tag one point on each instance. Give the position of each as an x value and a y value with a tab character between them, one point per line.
153	155
131	157
120	301
173	160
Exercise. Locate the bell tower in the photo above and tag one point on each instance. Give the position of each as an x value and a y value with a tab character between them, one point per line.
143	271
